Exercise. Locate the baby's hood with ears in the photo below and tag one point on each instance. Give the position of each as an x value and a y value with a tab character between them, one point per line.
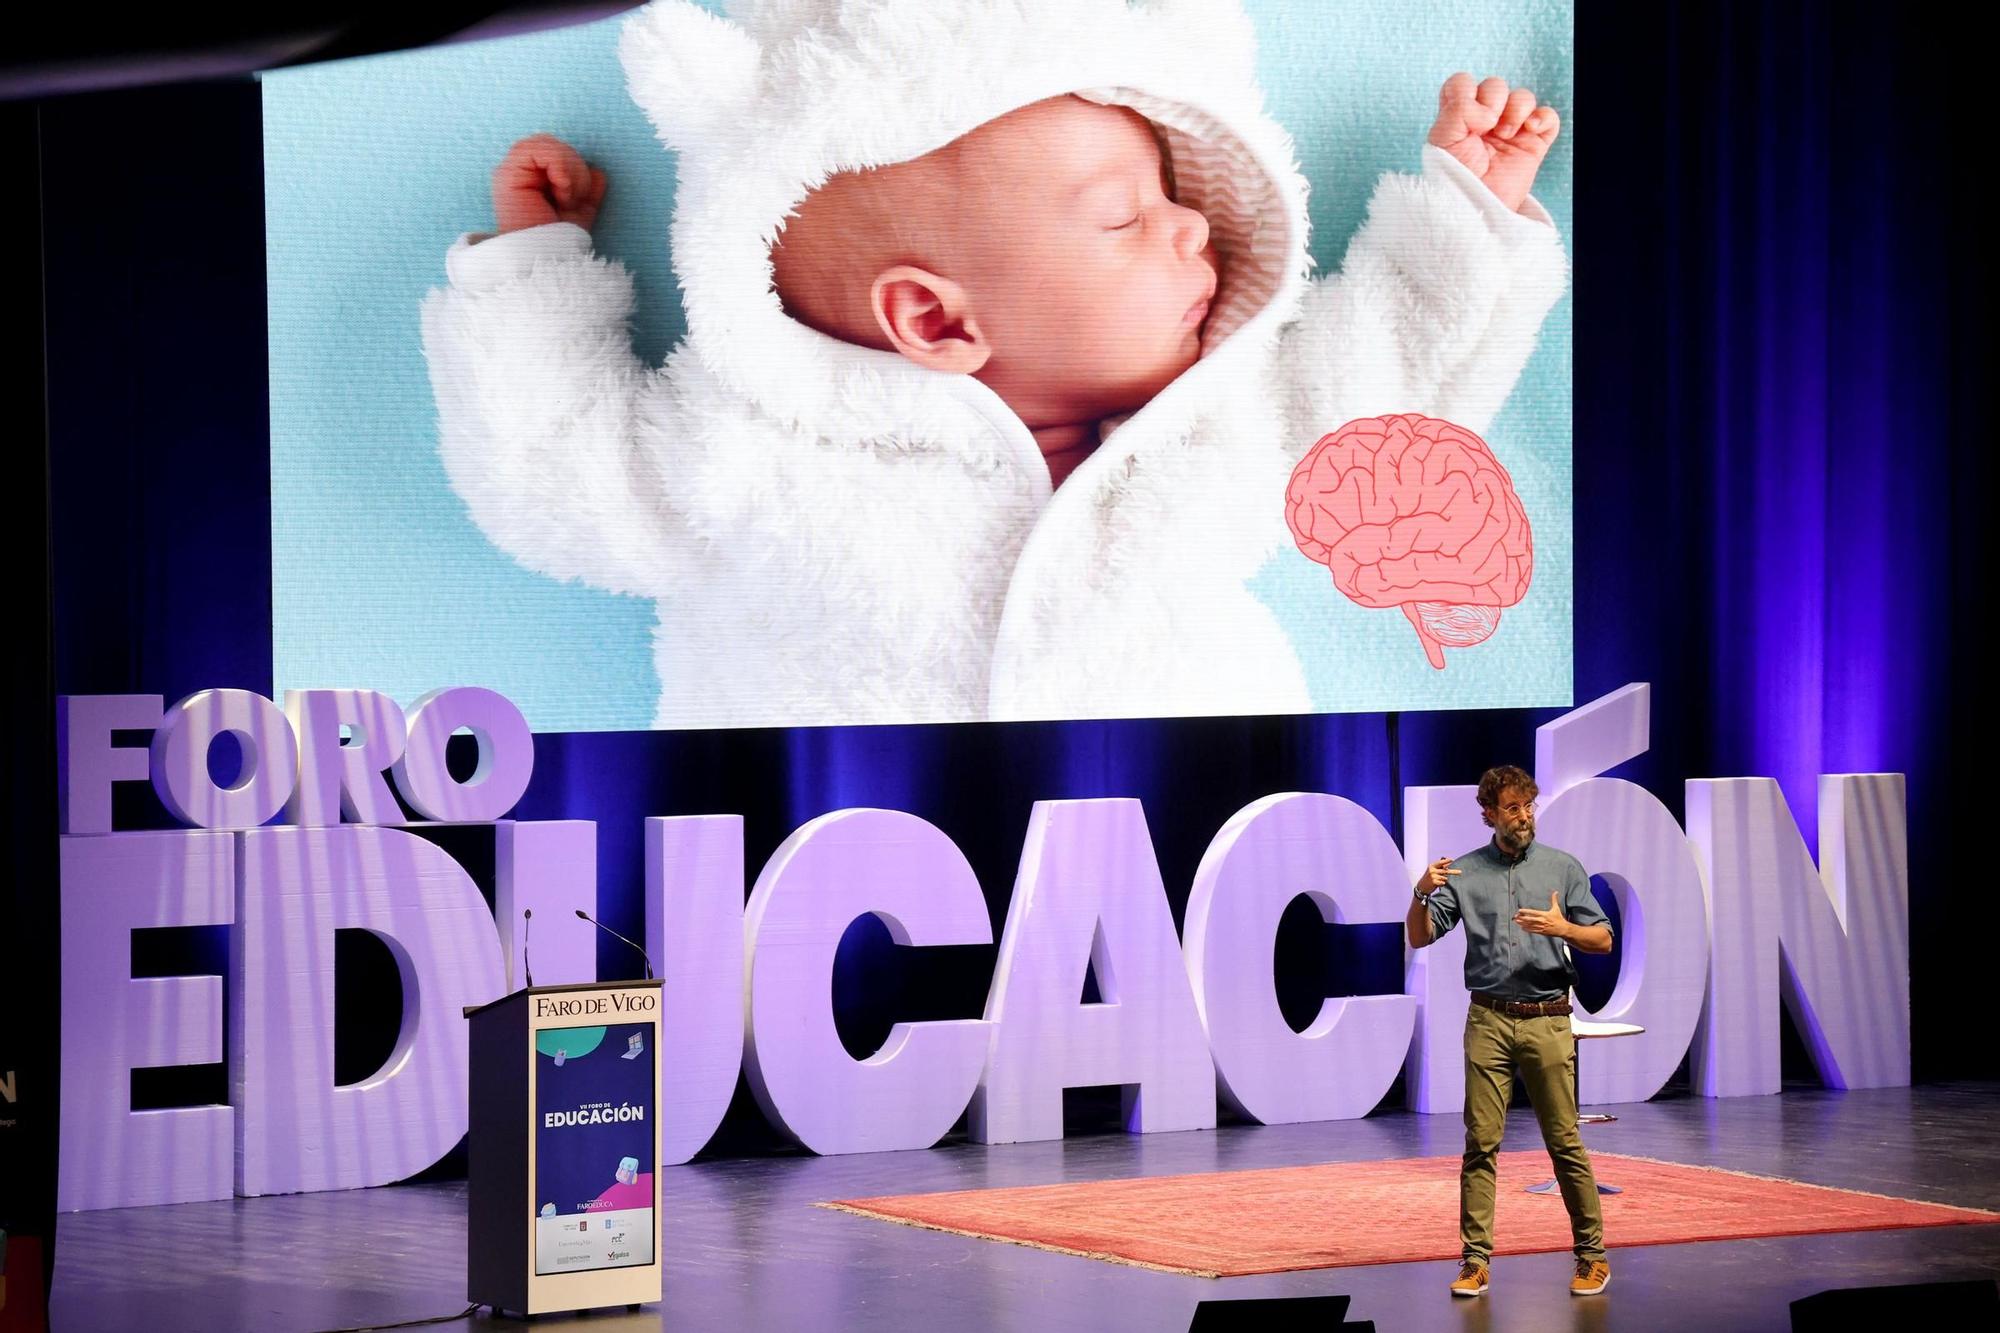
763	102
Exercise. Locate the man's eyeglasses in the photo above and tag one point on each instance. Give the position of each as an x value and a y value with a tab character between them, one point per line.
1519	808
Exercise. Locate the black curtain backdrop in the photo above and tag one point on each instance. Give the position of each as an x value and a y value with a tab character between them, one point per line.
1782	313
28	1034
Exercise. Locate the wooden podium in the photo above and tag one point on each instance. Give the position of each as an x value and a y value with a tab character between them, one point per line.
563	1148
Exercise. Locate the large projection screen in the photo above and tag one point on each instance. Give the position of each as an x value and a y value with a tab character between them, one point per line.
602	466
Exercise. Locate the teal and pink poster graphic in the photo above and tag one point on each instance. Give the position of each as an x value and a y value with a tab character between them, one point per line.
594	1163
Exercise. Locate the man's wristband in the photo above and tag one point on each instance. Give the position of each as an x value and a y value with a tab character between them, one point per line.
1420	895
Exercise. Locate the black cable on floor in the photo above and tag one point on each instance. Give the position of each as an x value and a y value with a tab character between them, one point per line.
466	1313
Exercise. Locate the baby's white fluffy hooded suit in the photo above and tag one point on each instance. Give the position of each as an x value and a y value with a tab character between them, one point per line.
834	534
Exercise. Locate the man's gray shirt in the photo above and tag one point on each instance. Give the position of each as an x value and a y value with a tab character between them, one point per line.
1501	958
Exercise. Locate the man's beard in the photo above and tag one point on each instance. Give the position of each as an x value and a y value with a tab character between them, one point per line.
1518	839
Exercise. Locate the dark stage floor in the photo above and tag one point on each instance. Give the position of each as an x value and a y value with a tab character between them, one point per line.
747	1251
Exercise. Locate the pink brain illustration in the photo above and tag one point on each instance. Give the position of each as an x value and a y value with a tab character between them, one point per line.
1416	512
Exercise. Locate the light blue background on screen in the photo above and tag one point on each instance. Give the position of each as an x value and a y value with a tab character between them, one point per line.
374	167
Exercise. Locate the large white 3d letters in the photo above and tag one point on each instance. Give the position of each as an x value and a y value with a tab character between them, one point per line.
548	867
180	759
1841	930
87	762
1271	851
1089	896
344	778
506	756
751	987
112	1156
829	872
1621	832
694	928
297	1129
1438	821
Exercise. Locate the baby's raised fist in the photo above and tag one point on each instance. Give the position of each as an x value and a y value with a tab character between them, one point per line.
543	180
1501	135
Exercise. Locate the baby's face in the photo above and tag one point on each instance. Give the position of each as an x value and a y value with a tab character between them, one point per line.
1090	283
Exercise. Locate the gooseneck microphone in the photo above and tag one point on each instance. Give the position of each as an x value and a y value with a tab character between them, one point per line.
620	938
527	917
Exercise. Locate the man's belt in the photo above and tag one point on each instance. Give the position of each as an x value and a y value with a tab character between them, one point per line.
1520	1008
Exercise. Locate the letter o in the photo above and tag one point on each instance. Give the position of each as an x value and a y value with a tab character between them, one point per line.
179	759
506	756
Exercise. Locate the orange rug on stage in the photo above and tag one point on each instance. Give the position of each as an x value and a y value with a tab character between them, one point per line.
1236	1223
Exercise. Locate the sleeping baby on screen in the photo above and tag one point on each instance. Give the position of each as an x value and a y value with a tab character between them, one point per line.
1000	351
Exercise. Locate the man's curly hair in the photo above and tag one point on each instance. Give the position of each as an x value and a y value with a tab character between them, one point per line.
1502	779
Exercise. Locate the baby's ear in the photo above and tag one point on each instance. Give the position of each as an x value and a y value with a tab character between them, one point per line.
1219	29
689	70
928	319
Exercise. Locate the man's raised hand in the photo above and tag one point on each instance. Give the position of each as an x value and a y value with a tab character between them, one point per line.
1434	876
